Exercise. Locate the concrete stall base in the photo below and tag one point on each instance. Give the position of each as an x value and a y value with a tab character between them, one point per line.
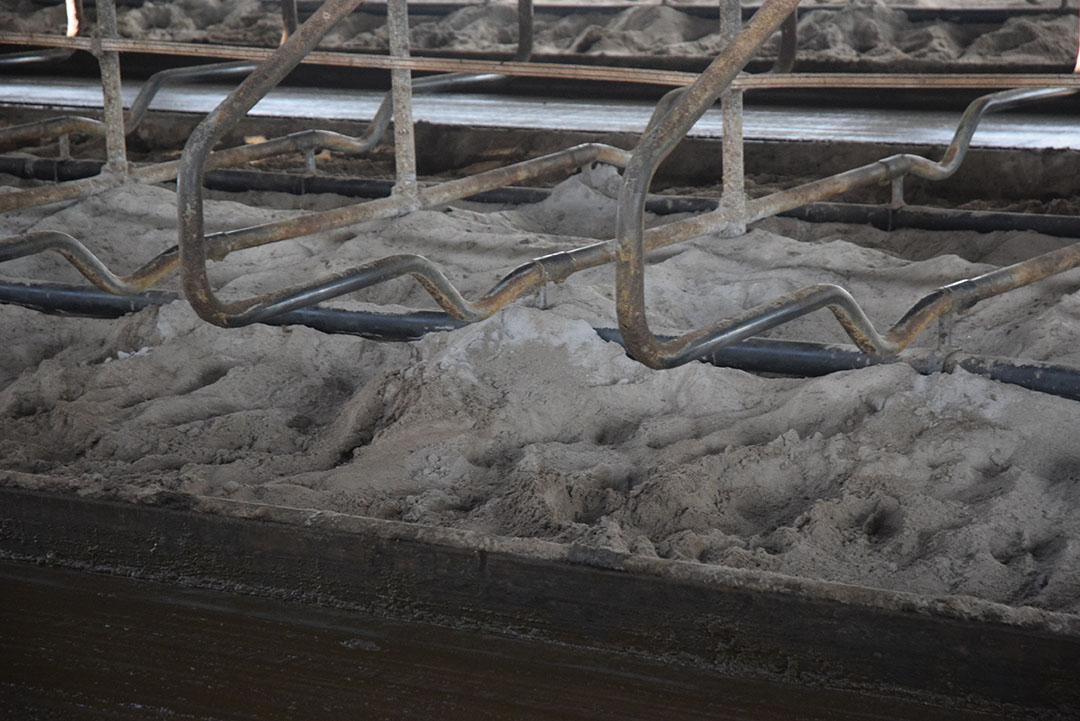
552	631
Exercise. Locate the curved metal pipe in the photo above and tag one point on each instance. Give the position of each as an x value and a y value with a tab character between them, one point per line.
50	56
669	125
789	44
43	56
664	134
303	141
79	256
559	266
196	72
896	166
756	355
290	19
525	31
220	245
19	136
251	310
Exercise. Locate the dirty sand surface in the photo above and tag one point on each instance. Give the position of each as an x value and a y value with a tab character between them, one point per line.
860	34
529	425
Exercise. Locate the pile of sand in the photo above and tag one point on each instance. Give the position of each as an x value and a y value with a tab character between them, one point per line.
529	425
866	34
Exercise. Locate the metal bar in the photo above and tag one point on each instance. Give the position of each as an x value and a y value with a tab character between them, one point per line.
290	20
156	81
654	146
109	60
896	166
566	71
252	310
401	90
962	295
42	131
645	347
789	44
46	56
76	253
525	31
731	110
163	172
75	14
756	355
194	245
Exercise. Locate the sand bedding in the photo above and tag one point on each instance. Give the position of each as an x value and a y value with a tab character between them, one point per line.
529	425
869	35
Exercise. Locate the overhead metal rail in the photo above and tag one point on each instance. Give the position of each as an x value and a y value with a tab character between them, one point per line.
674	115
566	71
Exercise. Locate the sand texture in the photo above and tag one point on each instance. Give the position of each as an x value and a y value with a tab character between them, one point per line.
529	425
864	34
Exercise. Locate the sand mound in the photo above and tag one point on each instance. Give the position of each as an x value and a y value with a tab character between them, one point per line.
868	35
528	424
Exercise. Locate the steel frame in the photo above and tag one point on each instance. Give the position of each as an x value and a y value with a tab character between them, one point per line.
675	114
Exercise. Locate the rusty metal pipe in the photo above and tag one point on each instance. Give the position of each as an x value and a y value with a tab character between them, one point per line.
220	244
42	131
84	261
109	62
155	82
525	31
44	56
664	134
290	19
397	14
896	166
430	276
962	295
306	140
789	44
631	244
47	56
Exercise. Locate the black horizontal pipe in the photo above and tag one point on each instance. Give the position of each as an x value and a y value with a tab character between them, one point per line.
924	218
881	217
757	355
56	299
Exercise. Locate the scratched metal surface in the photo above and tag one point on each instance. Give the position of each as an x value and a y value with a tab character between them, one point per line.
1023	129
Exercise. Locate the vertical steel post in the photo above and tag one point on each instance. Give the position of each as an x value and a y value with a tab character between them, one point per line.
401	90
290	19
525	31
115	149
731	108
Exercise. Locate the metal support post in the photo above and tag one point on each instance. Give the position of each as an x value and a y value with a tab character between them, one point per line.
525	31
401	88
115	149
290	19
897	200
731	104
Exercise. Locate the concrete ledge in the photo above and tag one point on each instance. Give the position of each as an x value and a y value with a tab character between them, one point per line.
953	652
